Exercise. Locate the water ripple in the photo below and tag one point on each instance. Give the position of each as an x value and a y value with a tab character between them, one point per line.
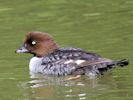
92	14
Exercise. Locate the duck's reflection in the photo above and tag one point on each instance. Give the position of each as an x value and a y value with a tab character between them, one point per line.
56	88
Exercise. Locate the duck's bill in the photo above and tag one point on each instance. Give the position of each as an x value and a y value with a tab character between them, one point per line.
22	49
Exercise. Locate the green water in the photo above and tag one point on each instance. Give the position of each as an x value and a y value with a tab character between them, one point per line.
101	26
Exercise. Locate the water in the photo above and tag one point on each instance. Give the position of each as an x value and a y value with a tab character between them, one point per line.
104	27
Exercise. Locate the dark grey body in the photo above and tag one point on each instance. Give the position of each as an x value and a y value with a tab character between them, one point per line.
54	63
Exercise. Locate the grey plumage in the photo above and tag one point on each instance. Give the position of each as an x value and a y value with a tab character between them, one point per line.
54	63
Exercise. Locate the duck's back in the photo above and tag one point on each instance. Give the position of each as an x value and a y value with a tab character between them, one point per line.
66	61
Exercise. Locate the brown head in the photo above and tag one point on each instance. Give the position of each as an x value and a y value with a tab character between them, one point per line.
38	43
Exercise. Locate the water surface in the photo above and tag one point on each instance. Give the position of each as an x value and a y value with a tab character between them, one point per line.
104	27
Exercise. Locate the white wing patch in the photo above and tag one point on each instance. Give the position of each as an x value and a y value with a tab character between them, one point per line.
78	62
69	61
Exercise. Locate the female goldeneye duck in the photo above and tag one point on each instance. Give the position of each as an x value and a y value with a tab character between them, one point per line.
49	59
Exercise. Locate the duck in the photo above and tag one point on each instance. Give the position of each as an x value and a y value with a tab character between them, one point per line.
50	59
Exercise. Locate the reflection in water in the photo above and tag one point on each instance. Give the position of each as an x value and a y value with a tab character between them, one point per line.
56	88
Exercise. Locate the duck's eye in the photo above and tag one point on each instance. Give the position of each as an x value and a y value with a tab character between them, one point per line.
34	42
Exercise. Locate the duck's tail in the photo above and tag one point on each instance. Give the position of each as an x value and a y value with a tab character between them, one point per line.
122	63
114	64
101	66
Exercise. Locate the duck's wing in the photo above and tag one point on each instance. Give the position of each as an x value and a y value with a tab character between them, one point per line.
77	61
70	54
71	60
